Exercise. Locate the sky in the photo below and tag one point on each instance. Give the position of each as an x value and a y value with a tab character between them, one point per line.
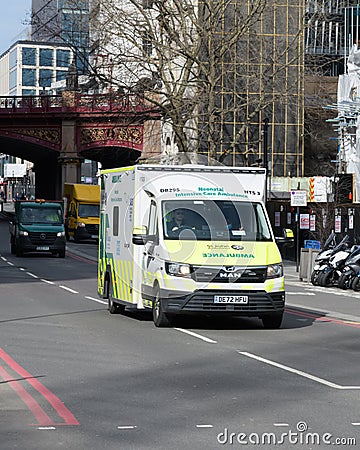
12	19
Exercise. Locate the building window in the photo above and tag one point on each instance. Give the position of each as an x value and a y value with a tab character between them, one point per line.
13	58
28	77
45	77
62	58
28	56
46	57
26	92
13	79
61	75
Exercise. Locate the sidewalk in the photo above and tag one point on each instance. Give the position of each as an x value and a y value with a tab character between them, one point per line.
326	301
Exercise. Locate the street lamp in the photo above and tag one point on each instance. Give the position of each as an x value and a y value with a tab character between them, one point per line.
265	151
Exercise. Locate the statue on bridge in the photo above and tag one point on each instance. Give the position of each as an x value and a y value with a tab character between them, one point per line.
72	78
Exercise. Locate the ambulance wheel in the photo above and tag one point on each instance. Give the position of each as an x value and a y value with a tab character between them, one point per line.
114	308
160	318
273	321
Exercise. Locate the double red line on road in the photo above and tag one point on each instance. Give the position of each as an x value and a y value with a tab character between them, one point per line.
41	416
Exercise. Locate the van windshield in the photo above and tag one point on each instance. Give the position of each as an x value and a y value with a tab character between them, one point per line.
89	210
46	214
216	220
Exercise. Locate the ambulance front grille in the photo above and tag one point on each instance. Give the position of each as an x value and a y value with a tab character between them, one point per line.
229	274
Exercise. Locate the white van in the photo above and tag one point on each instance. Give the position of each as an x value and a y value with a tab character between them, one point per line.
220	259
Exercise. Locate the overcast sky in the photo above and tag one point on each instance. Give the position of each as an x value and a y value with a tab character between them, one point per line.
14	15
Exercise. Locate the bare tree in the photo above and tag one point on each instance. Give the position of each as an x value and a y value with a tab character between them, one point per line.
215	66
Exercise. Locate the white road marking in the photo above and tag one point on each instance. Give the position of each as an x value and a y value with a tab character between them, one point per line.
10	263
126	427
68	289
32	275
199	336
300	293
46	428
4	259
22	269
281	424
204	426
356	424
96	300
299	372
47	281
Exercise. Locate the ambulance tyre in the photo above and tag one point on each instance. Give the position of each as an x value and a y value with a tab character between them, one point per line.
160	318
114	308
273	321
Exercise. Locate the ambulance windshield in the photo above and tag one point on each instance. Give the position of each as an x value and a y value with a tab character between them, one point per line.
216	220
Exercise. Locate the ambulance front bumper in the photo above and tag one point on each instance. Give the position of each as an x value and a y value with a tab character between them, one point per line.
236	302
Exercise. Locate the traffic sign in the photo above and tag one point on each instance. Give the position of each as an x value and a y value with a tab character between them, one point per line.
298	198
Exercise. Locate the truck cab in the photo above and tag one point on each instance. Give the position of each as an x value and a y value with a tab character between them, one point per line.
38	226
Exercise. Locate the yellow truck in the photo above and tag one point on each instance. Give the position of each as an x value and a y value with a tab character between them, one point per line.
82	211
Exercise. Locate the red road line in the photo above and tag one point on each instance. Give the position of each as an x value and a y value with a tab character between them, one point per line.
54	401
81	258
41	416
323	319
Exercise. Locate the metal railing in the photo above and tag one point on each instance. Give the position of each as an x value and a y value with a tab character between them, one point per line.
73	101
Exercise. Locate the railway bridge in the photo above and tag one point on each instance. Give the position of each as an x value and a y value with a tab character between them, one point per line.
57	132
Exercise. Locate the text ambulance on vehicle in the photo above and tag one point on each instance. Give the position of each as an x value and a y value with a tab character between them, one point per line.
223	260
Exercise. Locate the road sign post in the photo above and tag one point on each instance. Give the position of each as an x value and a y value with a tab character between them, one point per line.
298	198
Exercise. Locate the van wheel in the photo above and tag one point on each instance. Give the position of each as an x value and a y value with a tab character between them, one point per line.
273	321
160	318
114	308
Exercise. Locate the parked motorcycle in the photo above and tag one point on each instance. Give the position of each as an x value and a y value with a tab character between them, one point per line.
323	257
332	269
350	270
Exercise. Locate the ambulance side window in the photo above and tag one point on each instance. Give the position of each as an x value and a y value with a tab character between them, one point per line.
152	226
116	221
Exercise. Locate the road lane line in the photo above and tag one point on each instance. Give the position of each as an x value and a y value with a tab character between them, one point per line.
204	426
68	289
54	401
30	402
4	259
47	281
301	293
32	275
299	372
10	263
96	300
126	427
199	336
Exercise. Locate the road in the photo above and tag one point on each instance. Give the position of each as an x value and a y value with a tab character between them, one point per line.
73	376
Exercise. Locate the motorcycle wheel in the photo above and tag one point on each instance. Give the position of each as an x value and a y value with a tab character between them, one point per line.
315	277
355	285
326	279
345	281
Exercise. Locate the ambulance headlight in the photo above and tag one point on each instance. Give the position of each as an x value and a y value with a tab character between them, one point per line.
178	270
60	234
81	224
23	233
274	271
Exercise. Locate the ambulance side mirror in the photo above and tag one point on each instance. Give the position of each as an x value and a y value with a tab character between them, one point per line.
140	236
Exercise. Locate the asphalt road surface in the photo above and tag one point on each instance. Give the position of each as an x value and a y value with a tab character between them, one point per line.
73	376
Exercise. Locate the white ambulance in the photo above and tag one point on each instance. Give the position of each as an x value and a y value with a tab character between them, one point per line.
189	240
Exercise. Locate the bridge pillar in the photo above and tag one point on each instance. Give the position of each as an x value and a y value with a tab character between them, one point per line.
69	159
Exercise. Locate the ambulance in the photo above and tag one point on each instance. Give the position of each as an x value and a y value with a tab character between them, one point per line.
220	259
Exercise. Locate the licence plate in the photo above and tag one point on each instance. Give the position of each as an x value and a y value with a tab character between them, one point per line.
42	248
231	299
